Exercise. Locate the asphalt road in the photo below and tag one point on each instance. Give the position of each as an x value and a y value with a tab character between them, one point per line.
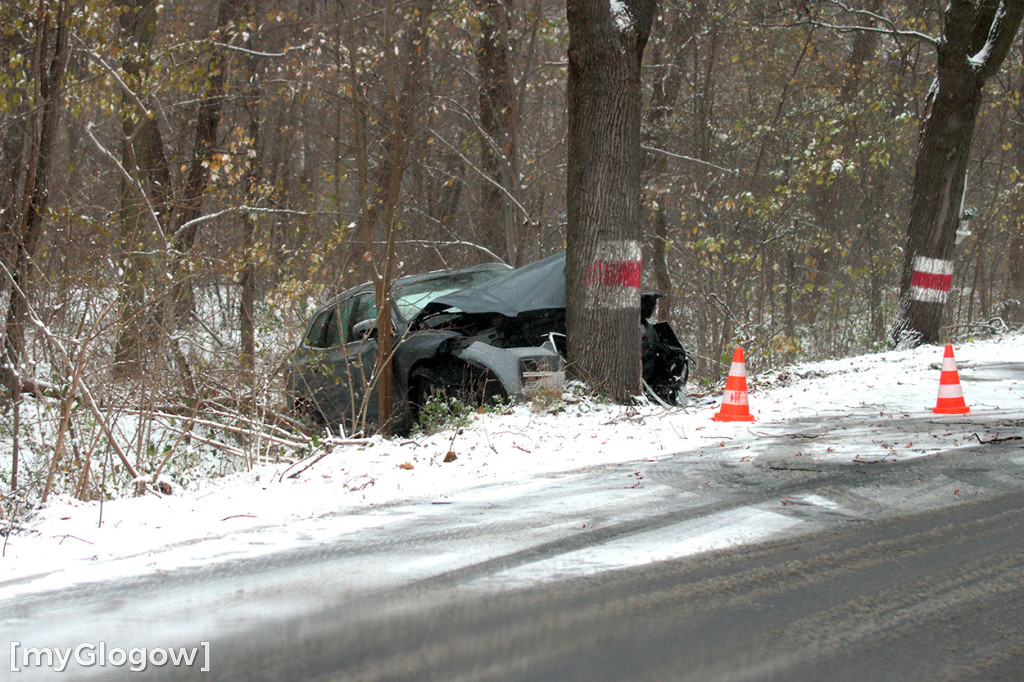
874	569
933	596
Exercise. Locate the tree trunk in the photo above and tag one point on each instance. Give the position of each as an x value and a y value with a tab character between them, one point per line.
603	260
50	61
1015	281
50	64
247	313
498	153
207	121
935	216
977	37
145	197
402	101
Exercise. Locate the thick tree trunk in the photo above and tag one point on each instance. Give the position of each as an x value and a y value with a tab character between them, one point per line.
934	218
403	108
603	262
978	35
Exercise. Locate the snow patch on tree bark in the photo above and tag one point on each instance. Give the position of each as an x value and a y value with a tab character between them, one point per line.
621	16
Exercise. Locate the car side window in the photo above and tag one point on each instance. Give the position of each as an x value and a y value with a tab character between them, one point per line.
332	337
315	336
364	309
340	324
331	326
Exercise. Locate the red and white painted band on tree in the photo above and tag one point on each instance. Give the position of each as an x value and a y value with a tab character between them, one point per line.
932	280
612	280
621	273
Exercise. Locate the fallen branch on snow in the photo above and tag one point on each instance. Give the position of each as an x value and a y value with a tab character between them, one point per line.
997	439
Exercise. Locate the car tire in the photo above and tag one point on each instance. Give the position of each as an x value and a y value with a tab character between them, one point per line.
431	381
306	411
426	383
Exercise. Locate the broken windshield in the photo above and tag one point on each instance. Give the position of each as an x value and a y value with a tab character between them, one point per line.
410	299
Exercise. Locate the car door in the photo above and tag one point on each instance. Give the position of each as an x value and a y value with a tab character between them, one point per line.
303	383
322	369
343	363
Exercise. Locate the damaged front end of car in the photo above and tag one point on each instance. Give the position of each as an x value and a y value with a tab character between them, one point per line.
476	358
511	331
523	372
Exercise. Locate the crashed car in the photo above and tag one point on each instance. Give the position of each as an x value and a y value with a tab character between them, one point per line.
477	333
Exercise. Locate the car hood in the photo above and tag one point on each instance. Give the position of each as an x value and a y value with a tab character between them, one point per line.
537	286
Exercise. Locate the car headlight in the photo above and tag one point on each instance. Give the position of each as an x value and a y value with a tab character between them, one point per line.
539	373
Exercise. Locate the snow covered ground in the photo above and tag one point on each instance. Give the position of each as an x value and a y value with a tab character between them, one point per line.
279	506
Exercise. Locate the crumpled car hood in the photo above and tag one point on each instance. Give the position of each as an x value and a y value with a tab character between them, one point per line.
537	286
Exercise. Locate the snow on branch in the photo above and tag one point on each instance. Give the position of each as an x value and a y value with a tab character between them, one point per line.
114	75
682	157
256	53
1002	32
982	56
885	25
236	209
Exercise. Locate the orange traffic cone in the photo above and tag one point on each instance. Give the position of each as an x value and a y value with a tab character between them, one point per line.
734	402
951	396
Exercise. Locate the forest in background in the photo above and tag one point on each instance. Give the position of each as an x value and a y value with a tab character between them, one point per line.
180	182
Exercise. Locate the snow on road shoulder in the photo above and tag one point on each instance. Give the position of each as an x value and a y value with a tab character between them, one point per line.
266	509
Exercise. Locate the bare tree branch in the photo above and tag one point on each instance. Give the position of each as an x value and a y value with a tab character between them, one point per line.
688	158
131	180
112	72
485	176
888	27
